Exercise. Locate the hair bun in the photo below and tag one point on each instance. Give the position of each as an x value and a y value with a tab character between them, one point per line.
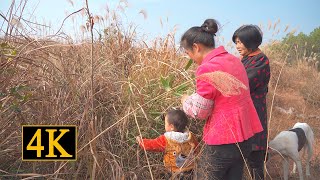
210	26
205	27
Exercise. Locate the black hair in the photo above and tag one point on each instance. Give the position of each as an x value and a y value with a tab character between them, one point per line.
203	34
178	119
249	35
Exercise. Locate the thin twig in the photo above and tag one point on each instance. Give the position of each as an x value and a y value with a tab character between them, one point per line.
66	19
34	22
10	14
271	108
93	120
145	151
238	146
22	9
4	17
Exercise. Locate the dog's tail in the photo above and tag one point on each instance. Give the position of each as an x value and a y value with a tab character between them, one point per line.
310	141
310	136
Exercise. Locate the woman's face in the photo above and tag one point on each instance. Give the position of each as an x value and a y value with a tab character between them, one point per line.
243	51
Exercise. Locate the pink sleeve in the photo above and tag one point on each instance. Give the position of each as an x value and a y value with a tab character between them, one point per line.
198	107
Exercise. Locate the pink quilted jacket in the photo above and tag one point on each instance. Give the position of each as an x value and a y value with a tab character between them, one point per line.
232	119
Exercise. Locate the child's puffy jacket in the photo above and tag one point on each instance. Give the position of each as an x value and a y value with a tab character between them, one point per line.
179	150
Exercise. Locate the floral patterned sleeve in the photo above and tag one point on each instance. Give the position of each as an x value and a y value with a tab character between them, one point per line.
198	107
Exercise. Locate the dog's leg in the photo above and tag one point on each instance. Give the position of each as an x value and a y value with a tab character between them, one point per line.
294	168
286	168
299	169
310	152
297	161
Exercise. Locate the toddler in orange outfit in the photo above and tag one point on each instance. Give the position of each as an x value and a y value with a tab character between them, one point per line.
178	143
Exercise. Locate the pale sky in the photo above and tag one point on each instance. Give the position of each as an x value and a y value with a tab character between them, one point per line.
300	15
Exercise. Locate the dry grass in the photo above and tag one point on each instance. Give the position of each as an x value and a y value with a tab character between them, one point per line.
49	82
296	100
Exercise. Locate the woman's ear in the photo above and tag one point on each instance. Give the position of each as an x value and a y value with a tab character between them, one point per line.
196	47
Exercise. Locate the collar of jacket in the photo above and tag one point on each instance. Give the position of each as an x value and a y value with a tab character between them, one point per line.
215	52
178	136
254	53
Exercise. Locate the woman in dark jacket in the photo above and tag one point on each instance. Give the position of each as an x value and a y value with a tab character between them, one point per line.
248	39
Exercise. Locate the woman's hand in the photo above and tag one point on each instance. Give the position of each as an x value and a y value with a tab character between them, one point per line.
184	98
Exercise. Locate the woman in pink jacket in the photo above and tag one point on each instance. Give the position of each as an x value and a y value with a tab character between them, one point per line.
223	99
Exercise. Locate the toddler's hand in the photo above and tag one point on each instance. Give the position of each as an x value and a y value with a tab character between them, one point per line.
138	139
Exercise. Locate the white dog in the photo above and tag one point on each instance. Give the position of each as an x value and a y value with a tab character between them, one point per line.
289	143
